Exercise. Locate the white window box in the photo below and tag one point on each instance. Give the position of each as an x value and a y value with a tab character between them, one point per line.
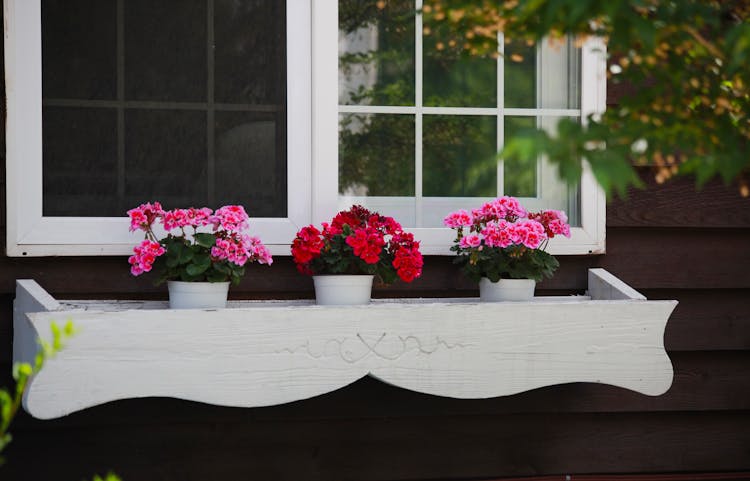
260	353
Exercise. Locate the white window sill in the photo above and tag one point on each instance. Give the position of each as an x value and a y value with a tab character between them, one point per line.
260	353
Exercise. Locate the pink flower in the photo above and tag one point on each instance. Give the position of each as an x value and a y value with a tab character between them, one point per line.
144	256
498	234
469	241
143	216
231	218
458	219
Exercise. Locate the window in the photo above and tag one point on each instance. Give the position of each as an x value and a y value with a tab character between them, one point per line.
200	102
419	125
205	102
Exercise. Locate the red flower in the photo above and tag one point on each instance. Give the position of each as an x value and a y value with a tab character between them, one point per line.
306	246
408	263
367	244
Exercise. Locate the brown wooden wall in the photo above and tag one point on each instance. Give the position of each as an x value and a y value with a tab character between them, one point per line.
667	241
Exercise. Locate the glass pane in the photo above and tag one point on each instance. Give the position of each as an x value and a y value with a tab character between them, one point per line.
454	78
519	66
165	157
460	156
251	163
79	162
544	77
250	40
165	50
79	45
376	52
519	176
376	155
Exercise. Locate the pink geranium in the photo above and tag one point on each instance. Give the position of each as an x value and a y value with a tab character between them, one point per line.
504	240
208	245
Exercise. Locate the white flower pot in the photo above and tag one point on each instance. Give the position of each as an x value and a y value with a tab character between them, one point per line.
342	290
197	295
506	290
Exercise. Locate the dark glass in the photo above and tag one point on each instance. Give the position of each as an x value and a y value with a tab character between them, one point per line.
376	52
250	51
520	75
460	156
79	47
519	176
165	157
251	162
452	76
79	162
376	155
165	50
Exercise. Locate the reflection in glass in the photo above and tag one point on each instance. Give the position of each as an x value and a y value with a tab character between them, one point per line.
460	156
79	43
519	176
79	161
376	155
454	78
547	76
250	61
165	152
250	168
376	52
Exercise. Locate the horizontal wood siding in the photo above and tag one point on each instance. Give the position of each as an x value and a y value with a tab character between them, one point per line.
669	242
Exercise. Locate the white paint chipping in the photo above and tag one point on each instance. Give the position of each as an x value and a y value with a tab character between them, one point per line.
265	353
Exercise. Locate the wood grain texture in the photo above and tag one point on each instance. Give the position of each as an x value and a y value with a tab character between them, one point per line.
678	203
273	353
442	447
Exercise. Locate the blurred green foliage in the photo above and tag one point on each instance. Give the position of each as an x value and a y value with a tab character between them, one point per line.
682	67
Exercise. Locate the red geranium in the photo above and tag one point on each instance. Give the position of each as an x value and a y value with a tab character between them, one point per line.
358	241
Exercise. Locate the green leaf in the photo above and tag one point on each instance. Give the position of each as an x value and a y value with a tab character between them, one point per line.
206	240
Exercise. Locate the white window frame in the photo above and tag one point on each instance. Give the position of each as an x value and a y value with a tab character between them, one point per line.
30	233
312	146
587	239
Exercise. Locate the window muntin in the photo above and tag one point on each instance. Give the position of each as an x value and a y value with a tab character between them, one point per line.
459	113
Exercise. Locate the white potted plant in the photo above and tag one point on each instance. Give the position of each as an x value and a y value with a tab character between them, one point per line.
344	256
502	247
200	251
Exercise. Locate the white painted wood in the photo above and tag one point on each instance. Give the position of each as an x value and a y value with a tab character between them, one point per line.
30	297
603	285
29	233
266	353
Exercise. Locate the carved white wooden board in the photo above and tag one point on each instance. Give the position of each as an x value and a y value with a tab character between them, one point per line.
264	353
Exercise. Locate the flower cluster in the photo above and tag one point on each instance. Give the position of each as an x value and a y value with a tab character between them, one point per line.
358	241
503	240
199	245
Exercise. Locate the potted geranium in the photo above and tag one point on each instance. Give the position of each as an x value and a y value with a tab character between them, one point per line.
345	254
199	252
502	246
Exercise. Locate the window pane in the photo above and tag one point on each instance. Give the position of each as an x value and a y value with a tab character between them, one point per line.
453	78
79	44
80	161
165	152
165	50
376	155
376	52
460	156
250	162
250	51
519	67
519	176
547	76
